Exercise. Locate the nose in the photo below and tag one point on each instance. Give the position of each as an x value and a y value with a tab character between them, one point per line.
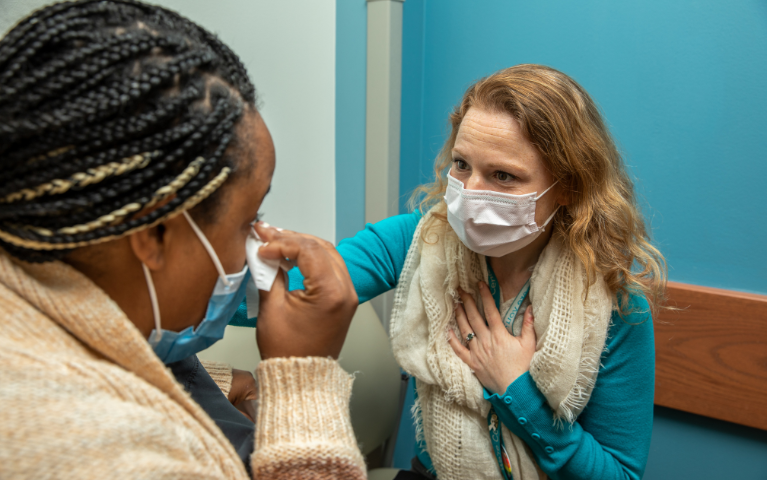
474	182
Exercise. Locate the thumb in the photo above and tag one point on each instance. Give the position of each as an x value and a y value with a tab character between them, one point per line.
528	330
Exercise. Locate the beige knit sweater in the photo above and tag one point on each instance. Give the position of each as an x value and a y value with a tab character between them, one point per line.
82	395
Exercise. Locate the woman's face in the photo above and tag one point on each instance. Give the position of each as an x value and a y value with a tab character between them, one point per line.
188	275
492	153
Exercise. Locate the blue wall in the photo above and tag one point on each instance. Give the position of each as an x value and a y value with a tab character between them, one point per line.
682	86
351	57
412	170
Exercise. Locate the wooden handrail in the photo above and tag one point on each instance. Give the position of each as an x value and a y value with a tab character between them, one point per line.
711	355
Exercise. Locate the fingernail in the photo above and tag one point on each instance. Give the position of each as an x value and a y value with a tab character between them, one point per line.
278	229
265	224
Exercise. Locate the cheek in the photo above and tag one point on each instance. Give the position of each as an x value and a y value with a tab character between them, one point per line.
187	284
232	252
185	291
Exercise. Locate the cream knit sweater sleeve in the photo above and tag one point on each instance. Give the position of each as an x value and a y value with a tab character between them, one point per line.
303	428
304	405
220	373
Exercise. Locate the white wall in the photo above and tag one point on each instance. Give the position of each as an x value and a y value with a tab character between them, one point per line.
288	47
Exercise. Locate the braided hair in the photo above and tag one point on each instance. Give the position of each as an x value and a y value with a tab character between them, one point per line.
109	108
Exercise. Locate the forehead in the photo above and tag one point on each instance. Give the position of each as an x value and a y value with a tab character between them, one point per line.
493	136
487	129
255	162
256	148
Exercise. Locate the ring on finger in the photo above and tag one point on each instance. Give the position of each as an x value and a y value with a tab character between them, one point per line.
470	337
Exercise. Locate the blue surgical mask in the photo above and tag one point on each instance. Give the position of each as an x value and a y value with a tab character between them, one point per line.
227	296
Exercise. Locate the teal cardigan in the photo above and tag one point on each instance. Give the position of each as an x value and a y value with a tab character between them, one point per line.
610	439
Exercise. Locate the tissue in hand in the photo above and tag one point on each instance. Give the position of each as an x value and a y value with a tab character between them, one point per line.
263	272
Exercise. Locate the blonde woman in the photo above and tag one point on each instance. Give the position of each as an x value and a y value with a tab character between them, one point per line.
524	291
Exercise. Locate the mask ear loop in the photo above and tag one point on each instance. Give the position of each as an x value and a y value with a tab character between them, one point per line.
209	248
153	299
543	227
546	191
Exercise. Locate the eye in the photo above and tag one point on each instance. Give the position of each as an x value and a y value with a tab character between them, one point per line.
460	164
504	177
259	217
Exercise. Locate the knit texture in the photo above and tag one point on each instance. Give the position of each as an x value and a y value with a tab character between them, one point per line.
571	330
84	396
305	431
221	373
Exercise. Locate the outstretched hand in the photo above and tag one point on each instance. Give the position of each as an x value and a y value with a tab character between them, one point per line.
496	357
309	322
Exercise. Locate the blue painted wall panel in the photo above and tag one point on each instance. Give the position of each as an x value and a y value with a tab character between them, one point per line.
351	57
688	446
412	170
682	87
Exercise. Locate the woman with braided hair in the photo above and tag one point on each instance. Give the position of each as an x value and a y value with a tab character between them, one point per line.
126	133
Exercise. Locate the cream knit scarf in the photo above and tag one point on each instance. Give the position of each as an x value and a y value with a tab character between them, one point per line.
453	413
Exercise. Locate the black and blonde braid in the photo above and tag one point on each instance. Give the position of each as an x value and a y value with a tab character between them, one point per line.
109	108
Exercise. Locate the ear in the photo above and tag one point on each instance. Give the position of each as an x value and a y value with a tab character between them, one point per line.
149	247
563	197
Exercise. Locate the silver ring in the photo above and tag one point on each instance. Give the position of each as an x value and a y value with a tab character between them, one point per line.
470	337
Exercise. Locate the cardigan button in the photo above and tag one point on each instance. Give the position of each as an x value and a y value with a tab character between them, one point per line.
549	450
522	420
536	436
507	400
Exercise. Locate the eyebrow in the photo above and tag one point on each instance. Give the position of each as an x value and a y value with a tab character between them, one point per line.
495	165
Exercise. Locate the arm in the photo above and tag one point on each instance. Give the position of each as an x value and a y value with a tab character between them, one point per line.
374	258
303	427
611	438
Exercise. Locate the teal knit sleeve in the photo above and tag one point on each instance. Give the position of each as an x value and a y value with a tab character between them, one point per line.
374	257
611	438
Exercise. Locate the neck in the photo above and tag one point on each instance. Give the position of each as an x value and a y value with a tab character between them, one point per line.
514	269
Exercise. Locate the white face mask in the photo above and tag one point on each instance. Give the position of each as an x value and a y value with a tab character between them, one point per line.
492	223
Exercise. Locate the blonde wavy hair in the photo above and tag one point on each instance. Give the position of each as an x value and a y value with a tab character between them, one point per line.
602	223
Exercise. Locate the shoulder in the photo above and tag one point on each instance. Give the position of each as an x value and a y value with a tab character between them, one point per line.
633	329
636	311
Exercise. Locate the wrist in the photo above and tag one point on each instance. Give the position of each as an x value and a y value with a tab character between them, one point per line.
501	385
